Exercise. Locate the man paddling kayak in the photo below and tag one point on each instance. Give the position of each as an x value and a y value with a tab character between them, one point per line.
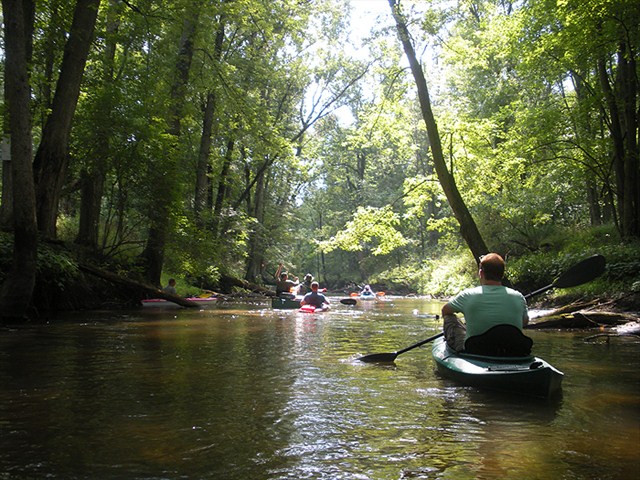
484	307
314	297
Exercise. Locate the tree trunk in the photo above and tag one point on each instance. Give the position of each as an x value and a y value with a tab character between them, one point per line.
6	202
203	181
153	254
93	178
144	289
256	241
468	228
17	290
91	190
50	164
223	182
627	81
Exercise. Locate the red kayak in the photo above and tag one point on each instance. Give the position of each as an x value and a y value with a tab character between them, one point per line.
313	308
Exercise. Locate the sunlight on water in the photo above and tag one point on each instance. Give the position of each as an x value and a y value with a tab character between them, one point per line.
241	391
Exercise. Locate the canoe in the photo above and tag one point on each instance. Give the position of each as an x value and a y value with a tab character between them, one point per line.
161	302
285	303
529	375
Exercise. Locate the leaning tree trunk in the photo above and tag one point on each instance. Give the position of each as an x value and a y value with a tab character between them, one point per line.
50	163
468	227
153	254
17	290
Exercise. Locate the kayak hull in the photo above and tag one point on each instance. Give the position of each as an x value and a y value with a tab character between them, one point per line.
531	376
313	309
285	303
367	297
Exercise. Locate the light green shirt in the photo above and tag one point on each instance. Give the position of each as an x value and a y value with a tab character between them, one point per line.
486	306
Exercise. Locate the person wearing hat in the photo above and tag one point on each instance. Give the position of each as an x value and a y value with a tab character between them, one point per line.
305	286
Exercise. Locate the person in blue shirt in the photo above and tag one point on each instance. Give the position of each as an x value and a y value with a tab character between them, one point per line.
485	306
314	297
171	287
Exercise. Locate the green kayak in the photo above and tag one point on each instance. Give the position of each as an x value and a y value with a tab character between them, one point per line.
529	375
285	303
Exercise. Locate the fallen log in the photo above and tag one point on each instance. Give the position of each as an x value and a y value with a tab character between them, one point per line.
562	321
571	308
580	320
227	284
145	289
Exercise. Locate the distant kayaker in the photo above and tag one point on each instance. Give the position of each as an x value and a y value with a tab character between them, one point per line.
485	306
305	286
171	287
314	297
366	291
284	286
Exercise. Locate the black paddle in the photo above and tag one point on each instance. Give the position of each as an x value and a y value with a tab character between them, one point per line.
348	301
582	272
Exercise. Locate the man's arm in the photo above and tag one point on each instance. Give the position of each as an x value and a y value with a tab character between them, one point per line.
447	310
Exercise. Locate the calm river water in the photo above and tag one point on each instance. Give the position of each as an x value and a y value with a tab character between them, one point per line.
245	392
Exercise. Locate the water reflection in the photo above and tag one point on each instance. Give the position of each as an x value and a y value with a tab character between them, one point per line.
243	391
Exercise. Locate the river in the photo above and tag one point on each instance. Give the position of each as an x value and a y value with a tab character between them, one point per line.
242	391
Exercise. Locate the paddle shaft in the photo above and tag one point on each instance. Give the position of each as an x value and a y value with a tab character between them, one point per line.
419	344
580	273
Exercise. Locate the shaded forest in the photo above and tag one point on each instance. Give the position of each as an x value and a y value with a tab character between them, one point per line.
212	141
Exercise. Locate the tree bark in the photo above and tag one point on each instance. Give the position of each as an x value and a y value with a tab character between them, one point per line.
628	87
17	290
93	177
255	259
468	227
203	182
203	169
223	182
153	254
6	202
50	164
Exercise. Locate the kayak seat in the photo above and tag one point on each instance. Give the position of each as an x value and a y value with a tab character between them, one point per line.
500	341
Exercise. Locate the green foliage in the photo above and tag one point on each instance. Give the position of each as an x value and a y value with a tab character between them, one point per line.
56	268
349	196
373	229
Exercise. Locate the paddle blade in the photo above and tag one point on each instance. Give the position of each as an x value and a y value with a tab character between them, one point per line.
354	294
348	301
379	358
582	272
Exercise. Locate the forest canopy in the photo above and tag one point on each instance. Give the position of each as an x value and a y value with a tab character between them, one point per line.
222	138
